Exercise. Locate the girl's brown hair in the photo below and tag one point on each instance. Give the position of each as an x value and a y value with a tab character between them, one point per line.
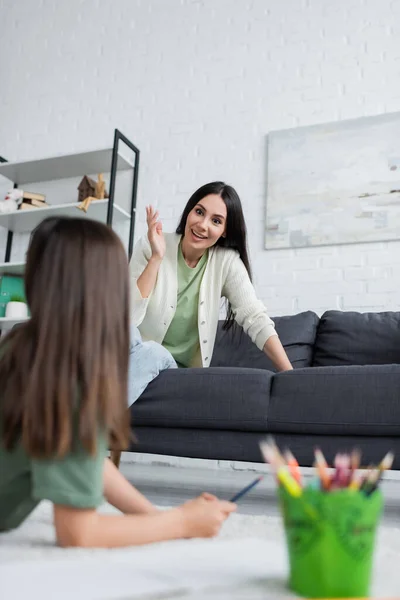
63	373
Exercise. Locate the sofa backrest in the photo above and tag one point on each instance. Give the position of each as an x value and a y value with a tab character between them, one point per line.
297	333
353	338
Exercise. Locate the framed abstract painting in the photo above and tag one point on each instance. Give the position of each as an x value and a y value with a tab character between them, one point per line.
337	183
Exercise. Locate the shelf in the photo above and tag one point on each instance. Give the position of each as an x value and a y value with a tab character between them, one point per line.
16	268
63	167
9	322
20	221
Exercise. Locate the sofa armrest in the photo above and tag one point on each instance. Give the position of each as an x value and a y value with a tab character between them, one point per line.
215	398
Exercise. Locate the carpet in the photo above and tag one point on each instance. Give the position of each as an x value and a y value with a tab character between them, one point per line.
247	560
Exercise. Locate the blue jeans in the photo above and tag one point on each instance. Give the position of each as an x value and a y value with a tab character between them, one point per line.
146	361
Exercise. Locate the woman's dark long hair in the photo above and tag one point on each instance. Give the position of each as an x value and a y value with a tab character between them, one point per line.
236	233
63	373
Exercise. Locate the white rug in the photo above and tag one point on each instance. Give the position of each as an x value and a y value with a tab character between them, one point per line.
247	561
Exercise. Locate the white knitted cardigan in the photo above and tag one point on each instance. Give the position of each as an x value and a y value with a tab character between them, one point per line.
225	276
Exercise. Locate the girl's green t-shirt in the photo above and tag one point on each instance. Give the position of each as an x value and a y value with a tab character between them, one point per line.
75	480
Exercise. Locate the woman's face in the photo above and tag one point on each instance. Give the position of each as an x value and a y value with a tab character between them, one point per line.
206	223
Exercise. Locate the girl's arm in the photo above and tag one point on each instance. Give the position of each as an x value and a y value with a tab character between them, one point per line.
201	517
85	527
121	494
76	485
88	529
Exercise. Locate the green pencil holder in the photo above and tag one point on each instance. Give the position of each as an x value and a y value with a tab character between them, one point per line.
330	540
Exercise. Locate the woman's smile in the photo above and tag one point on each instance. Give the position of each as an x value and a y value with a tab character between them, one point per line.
198	236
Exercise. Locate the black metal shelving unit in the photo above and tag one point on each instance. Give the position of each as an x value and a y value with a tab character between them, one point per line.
119	139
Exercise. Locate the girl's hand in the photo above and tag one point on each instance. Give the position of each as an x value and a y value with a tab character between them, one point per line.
208	496
204	516
155	233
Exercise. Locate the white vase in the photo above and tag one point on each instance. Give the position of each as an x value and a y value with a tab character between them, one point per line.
16	310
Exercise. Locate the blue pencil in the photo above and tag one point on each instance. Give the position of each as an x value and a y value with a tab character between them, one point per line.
246	489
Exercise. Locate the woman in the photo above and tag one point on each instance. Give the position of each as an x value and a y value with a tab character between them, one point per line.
63	395
178	280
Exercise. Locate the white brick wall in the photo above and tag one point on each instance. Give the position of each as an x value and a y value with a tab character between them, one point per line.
197	85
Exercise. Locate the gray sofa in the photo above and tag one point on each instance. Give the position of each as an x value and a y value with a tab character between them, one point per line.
344	392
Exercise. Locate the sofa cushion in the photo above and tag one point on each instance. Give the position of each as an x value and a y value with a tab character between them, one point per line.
233	348
336	400
352	338
235	399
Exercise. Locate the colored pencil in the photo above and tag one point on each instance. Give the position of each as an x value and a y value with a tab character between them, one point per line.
246	489
293	466
355	459
272	455
345	475
289	482
322	468
375	475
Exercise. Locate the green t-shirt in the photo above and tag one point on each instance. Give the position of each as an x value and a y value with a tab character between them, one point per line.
75	480
182	337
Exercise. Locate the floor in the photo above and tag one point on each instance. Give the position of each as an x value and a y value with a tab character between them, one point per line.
168	482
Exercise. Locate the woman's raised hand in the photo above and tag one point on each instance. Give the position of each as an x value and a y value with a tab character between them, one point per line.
155	233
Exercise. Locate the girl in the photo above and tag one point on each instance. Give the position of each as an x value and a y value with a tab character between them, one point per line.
178	280
63	398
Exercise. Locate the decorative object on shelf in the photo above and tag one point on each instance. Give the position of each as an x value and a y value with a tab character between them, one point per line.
18	199
10	285
33	200
90	190
87	187
16	308
12	201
